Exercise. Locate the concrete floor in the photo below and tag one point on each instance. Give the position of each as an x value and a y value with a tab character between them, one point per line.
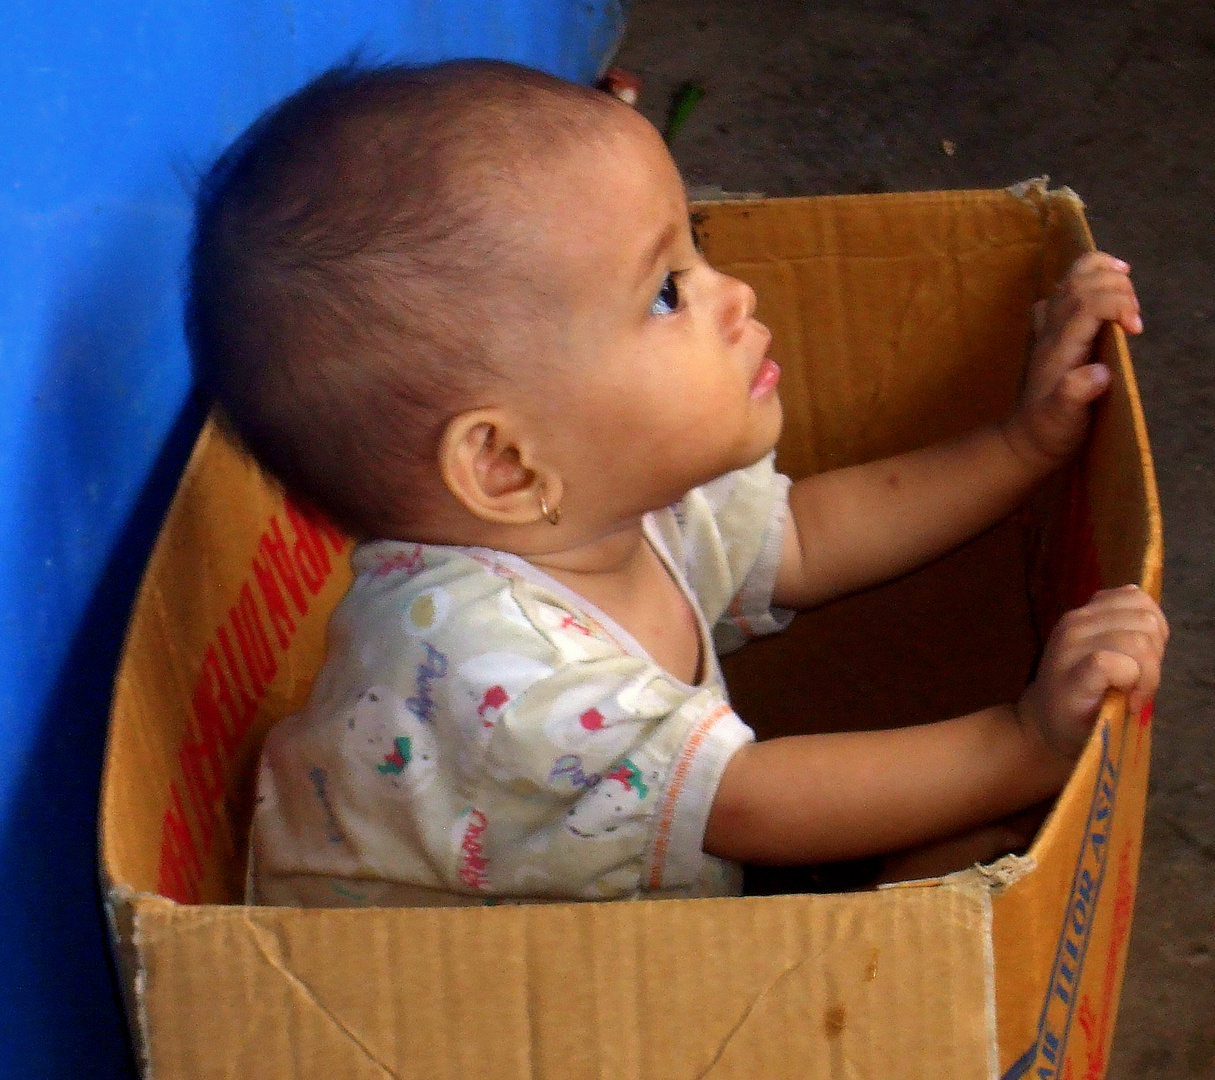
1116	100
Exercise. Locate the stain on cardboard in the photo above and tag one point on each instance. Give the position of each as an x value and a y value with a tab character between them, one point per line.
835	1019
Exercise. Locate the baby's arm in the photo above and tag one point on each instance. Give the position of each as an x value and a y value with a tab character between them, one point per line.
855	527
821	798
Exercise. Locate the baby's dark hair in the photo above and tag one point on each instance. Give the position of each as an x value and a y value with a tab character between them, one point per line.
352	270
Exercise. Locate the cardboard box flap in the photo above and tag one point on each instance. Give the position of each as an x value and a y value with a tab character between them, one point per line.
226	636
594	990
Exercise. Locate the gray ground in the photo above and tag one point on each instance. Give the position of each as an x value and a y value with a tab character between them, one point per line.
1116	100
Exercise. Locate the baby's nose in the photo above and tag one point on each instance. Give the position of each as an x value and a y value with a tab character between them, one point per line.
737	308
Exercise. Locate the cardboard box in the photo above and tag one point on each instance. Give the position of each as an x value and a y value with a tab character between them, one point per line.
899	319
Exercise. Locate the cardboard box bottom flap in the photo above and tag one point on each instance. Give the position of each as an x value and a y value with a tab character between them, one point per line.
898	320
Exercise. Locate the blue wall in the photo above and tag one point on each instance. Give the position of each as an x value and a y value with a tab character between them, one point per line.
108	110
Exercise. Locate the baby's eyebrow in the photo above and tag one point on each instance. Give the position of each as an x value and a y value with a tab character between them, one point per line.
655	249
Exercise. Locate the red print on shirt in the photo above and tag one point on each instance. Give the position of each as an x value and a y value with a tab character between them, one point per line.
495	697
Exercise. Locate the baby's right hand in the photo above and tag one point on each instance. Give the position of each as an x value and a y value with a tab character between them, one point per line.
1115	641
1062	380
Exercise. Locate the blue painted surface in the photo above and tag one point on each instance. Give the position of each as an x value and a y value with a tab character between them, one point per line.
107	111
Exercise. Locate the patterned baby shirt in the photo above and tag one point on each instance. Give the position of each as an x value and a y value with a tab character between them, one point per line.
481	733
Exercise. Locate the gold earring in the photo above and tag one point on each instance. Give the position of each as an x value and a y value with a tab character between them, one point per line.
553	515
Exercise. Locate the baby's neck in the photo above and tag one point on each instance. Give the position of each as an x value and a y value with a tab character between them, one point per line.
611	558
623	576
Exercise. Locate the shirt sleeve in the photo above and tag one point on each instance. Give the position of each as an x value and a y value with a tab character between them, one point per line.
598	783
731	533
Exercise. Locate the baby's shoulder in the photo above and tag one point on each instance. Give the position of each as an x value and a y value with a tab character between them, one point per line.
471	600
460	637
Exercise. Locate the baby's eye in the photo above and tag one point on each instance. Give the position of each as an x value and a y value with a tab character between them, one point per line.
667	299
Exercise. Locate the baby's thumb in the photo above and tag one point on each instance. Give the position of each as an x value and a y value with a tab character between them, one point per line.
1074	392
1083	384
1061	417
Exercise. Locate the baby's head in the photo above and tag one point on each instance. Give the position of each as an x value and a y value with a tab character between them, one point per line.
411	290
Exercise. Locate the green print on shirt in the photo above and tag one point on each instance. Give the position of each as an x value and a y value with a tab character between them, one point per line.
394	763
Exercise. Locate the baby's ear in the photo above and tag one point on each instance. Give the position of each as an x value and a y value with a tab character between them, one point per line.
489	465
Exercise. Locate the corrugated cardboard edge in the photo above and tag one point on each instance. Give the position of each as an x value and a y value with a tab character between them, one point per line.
986	880
118	903
989	975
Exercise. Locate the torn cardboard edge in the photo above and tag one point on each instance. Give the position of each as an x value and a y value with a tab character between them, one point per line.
996	876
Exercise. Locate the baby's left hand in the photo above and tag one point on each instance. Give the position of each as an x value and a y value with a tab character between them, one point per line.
1052	416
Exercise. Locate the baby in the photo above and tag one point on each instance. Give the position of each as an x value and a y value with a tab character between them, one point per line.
460	309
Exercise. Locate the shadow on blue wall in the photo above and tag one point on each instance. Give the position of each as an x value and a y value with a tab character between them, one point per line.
49	843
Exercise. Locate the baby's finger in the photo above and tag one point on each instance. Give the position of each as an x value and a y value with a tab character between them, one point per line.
1127	606
1080	386
1092	310
1114	296
1112	288
1118	620
1142	646
1147	604
1138	635
1093	262
1100	671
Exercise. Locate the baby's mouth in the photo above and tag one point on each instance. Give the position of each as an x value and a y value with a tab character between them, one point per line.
765	379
